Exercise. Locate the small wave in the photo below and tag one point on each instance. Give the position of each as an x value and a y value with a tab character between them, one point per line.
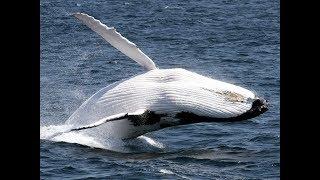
166	171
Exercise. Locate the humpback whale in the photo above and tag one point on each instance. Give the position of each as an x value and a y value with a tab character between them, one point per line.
158	98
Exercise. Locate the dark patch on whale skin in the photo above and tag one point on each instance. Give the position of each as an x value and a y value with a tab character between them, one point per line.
259	106
147	118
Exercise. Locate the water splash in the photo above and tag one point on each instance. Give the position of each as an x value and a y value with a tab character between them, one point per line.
60	133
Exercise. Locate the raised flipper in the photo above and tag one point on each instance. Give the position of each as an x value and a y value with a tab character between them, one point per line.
117	40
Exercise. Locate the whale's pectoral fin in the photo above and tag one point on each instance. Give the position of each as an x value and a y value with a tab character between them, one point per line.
117	40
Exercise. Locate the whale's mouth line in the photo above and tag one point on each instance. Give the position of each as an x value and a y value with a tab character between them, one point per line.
259	106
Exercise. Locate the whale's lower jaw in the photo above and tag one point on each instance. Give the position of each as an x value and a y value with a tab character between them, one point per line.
258	107
153	121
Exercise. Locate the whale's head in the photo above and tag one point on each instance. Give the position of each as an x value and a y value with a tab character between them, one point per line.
234	103
224	106
205	99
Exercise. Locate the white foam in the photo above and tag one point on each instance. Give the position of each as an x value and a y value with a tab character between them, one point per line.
46	132
165	171
152	142
78	138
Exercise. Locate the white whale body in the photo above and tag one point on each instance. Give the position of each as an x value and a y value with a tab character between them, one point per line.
158	98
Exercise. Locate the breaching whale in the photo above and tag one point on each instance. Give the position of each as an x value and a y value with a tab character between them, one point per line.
158	98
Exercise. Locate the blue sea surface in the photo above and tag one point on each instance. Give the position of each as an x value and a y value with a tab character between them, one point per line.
233	41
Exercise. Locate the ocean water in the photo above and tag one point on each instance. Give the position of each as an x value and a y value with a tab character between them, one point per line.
232	41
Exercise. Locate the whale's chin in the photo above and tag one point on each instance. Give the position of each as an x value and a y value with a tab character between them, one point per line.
259	106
